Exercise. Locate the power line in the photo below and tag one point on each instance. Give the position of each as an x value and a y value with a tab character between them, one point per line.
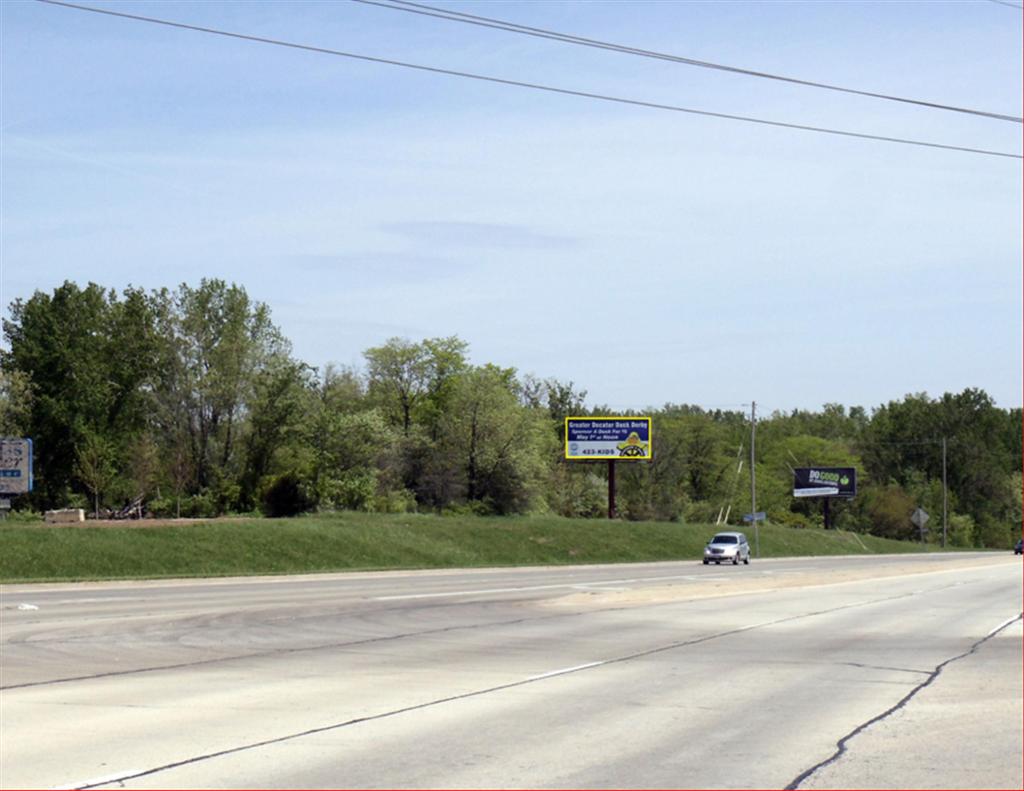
533	86
1009	5
512	27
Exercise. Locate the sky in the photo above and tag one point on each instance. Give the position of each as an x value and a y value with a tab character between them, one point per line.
647	256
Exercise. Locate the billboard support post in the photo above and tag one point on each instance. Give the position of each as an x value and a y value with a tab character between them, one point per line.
611	489
828	513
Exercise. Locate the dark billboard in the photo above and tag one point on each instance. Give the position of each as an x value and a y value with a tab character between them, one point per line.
824	482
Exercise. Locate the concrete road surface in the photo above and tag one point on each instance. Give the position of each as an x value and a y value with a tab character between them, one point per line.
863	672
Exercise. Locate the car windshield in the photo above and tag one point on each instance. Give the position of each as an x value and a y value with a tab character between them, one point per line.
724	539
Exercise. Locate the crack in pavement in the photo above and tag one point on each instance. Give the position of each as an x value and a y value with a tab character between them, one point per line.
841	745
882	667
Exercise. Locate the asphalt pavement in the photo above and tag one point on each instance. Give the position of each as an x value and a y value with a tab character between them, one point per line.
850	672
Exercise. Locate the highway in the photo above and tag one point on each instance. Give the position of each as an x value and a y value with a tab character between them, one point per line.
846	672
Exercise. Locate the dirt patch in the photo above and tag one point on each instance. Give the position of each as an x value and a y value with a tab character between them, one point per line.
698	588
142	522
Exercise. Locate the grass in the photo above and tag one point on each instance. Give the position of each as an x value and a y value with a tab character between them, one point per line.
33	552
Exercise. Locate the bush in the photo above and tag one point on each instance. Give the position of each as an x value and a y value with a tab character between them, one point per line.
354	490
888	509
994	534
468	508
198	506
961	530
574	493
162	507
786	518
395	501
286	496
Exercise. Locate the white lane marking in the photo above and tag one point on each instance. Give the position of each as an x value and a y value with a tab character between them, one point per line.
96	781
568	585
467	593
100	600
103	600
573	669
600	588
565	670
1005	623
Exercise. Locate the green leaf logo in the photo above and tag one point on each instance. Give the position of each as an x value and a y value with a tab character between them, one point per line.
844	480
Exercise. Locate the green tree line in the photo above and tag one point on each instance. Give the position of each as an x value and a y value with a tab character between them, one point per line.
191	401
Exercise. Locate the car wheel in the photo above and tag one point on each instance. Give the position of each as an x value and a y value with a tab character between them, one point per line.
718	563
746	560
705	561
735	560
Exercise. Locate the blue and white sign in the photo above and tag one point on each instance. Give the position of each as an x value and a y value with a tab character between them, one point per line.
617	438
15	466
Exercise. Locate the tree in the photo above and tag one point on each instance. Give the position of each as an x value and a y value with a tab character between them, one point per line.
496	446
412	381
89	356
217	341
353	450
398	374
279	400
564	400
15	403
95	467
904	439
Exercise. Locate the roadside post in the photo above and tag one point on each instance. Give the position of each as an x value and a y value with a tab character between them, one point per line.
919	519
759	516
610	438
15	470
826	483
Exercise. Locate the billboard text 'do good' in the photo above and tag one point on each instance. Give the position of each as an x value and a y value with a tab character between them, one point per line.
614	438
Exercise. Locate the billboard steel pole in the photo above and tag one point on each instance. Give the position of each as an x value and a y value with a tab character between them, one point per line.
611	489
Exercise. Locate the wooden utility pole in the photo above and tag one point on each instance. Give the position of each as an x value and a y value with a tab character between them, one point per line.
753	480
945	509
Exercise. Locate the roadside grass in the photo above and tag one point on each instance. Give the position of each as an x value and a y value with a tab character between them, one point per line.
361	542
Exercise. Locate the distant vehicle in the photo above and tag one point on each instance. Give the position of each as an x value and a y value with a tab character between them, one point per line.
732	547
1019	548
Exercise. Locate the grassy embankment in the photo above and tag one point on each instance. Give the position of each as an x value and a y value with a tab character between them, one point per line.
354	541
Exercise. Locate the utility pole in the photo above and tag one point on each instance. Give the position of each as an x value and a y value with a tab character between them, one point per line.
945	510
753	481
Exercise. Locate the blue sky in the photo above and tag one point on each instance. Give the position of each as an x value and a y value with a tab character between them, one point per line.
647	256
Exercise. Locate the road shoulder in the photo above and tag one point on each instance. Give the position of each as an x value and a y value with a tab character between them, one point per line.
964	730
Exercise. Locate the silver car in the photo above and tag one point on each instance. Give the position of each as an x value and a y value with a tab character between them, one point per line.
732	547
